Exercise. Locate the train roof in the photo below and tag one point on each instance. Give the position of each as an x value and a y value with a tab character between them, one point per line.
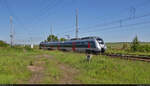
76	39
90	37
83	38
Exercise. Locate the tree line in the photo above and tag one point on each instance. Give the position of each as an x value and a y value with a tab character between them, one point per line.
136	46
54	38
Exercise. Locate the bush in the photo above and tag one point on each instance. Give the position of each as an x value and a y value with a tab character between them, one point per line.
125	46
135	44
28	48
21	48
17	48
3	44
143	48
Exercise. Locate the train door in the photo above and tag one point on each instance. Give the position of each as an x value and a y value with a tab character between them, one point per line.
73	46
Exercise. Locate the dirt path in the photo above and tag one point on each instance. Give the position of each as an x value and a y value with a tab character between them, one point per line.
37	70
37	74
68	73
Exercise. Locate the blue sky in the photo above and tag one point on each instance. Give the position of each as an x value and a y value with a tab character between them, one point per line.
33	19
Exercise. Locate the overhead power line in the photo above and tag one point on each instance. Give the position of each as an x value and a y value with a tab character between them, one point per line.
116	27
88	29
120	21
15	17
45	12
67	31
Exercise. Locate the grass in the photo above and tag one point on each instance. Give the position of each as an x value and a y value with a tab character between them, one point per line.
116	48
115	51
101	69
104	70
14	62
13	65
51	73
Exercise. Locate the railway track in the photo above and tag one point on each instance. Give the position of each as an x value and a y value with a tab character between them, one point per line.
130	57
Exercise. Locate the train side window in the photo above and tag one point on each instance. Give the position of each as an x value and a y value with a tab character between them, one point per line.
92	44
77	44
82	45
65	45
85	44
61	44
70	44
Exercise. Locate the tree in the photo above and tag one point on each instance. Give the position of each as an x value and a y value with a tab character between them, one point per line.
63	39
52	38
135	44
3	44
45	41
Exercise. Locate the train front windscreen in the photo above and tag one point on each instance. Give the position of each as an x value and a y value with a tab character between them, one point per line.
100	41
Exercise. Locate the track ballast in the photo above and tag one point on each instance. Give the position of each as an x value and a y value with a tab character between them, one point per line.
129	57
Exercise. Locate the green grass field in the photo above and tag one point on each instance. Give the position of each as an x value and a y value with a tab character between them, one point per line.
116	48
25	65
14	63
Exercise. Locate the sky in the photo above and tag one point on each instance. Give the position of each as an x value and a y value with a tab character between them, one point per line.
112	20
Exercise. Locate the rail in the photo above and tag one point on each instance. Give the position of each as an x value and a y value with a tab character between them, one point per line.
130	57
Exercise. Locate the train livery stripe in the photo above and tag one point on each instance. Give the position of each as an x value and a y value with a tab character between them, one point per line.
73	46
89	45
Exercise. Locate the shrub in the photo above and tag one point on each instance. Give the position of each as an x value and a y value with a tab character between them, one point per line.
3	44
28	48
135	44
144	48
17	48
125	46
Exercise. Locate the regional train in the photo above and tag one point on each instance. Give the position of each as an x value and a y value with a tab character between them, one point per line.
91	44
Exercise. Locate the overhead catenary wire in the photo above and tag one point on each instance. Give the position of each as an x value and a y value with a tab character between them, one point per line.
89	29
118	27
44	13
17	19
114	22
144	3
55	12
110	23
118	21
45	10
124	19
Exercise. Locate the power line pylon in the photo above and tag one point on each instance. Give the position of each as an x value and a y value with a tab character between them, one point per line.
76	23
132	12
51	33
11	31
